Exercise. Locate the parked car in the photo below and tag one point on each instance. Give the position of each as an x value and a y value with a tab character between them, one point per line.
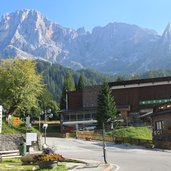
90	128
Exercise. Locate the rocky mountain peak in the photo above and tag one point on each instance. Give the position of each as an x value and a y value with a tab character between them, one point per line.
167	33
114	48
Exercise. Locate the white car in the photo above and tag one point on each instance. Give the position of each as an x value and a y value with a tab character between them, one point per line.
90	128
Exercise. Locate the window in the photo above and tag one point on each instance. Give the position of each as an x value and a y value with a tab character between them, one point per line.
87	116
80	117
66	117
159	125
73	117
94	116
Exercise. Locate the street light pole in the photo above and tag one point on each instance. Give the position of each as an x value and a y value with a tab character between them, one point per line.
45	135
104	145
45	125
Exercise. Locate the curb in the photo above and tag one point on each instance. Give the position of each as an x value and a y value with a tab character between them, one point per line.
111	167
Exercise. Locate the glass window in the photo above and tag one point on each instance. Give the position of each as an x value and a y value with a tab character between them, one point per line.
87	116
94	115
73	117
66	117
159	125
80	117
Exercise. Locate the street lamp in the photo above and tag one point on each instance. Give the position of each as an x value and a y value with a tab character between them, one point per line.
104	144
47	114
103	137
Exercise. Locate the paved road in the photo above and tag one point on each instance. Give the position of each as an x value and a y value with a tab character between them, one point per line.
129	158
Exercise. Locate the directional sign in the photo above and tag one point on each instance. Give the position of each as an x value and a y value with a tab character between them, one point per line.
0	119
16	121
157	101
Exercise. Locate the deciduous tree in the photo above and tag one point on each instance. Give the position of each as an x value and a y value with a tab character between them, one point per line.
20	85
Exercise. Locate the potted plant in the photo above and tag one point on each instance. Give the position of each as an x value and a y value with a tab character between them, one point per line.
48	161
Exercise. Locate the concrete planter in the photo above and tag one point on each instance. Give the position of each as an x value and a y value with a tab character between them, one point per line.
47	164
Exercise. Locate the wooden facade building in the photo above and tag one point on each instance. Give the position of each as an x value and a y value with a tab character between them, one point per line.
132	98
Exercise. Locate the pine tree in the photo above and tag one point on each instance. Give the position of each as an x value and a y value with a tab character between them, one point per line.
81	82
69	85
69	82
106	108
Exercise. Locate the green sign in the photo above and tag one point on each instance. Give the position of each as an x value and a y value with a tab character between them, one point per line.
146	102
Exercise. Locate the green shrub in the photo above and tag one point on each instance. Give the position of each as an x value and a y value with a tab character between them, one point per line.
132	132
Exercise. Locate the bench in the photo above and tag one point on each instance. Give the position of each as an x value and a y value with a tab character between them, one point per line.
9	154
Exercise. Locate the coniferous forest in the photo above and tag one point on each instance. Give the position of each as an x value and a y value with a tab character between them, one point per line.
54	76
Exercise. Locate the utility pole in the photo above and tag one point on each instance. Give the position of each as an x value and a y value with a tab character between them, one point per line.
66	97
104	145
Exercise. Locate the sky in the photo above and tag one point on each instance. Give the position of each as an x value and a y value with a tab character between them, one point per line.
152	14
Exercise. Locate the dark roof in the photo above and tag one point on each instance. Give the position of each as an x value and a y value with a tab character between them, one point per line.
78	110
161	112
139	81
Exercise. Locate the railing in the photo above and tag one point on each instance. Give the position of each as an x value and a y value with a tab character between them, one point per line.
120	140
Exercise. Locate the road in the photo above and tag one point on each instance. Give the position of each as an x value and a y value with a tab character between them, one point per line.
127	157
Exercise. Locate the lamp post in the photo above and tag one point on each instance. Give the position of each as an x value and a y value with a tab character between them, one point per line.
104	144
47	114
103	137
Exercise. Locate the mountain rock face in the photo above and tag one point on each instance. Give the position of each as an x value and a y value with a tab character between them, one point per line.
114	48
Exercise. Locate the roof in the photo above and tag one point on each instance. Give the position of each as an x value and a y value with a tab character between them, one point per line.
77	110
161	112
140	81
151	114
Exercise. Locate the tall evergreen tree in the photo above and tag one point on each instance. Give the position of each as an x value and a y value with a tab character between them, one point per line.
81	82
69	82
106	108
69	85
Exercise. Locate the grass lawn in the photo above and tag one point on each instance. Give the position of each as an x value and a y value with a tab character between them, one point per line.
15	130
15	164
132	132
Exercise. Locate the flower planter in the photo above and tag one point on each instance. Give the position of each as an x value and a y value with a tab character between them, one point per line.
47	164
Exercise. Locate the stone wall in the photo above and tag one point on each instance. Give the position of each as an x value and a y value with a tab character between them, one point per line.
11	141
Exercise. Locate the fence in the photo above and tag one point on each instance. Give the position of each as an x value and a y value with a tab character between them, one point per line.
90	135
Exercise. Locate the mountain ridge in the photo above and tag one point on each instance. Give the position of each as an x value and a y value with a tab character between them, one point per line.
114	48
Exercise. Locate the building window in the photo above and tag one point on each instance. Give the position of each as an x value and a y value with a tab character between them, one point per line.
80	117
66	117
87	116
159	126
94	116
73	117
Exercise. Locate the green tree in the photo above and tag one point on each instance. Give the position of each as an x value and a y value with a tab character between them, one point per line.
81	82
69	85
106	108
46	102
20	85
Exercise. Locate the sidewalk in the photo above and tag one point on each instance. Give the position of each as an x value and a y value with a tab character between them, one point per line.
91	165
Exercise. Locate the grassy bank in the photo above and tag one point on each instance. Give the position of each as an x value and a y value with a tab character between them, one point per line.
16	164
132	132
6	128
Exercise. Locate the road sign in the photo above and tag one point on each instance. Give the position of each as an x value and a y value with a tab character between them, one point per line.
28	121
16	121
0	119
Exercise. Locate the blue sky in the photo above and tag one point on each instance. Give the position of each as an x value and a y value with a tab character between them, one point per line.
153	14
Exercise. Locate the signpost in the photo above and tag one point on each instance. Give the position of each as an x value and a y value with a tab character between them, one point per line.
157	101
0	119
16	121
28	121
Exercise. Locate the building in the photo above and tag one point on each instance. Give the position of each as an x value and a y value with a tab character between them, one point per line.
133	98
161	125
